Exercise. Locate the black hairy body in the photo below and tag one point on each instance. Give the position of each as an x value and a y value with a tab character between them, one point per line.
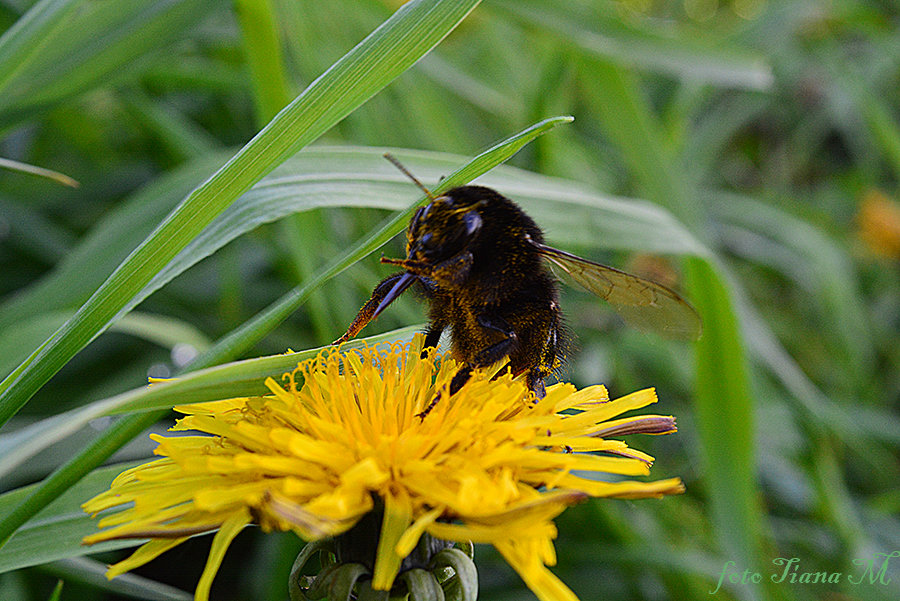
472	253
504	303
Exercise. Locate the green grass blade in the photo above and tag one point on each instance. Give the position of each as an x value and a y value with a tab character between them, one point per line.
262	48
20	42
383	55
725	416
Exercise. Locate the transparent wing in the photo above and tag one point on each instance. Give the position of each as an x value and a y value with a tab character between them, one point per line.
642	303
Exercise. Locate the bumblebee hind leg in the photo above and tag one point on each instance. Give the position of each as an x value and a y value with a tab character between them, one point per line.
551	358
484	358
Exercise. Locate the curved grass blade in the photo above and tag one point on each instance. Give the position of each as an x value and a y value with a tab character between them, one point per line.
401	40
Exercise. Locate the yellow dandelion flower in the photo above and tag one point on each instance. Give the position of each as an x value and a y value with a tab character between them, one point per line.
339	441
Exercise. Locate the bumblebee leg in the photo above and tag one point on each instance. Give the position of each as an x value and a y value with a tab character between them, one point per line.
459	379
535	381
368	309
483	358
551	359
432	336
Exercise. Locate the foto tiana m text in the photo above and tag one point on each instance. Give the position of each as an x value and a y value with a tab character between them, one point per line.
787	570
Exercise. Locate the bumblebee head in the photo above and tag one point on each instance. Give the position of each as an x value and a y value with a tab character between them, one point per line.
443	228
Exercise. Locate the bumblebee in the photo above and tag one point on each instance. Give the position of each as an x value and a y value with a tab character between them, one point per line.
482	264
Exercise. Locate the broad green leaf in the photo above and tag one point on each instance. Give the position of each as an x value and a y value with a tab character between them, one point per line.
383	55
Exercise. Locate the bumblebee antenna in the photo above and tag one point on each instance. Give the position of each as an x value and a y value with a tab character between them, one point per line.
406	172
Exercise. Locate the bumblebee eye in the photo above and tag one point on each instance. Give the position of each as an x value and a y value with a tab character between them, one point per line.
472	221
427	240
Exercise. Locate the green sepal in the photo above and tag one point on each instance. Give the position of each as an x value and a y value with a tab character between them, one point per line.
422	585
367	593
344	579
321	585
463	585
294	589
468	548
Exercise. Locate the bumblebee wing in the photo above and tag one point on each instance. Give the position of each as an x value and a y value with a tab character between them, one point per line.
641	302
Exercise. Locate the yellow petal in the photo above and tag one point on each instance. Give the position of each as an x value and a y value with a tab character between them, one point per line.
220	544
143	554
397	517
523	556
412	535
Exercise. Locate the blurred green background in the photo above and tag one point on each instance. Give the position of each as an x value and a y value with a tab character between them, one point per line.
746	152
